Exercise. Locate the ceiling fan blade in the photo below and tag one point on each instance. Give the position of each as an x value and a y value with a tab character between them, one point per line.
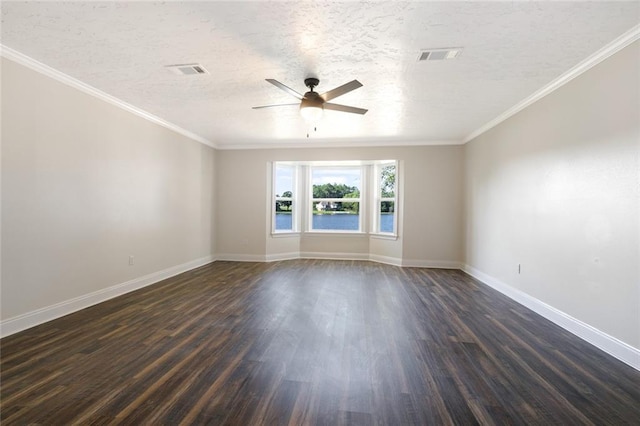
341	90
344	108
278	105
287	89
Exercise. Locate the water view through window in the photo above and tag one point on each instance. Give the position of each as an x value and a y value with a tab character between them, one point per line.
335	203
343	222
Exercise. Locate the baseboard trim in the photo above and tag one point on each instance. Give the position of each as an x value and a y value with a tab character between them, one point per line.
31	319
439	264
236	257
282	256
321	255
333	256
394	261
609	344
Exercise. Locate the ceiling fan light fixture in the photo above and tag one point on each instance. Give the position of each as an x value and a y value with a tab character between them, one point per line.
311	112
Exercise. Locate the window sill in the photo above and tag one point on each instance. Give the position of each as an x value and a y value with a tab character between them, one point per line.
330	233
285	234
334	234
390	237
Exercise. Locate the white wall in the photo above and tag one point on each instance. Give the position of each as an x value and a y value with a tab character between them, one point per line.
555	188
85	185
431	193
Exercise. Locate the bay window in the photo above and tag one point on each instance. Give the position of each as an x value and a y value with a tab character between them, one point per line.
356	197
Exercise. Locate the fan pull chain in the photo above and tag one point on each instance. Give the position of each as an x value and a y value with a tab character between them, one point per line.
315	129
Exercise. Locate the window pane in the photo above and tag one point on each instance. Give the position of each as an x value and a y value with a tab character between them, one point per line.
283	203
283	215
284	181
336	182
386	216
327	217
388	181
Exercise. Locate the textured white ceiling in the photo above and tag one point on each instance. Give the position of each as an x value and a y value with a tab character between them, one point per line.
511	49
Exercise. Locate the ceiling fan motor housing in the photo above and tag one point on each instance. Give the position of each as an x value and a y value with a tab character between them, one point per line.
311	82
311	99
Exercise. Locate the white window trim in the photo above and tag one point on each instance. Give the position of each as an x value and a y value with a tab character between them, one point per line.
378	199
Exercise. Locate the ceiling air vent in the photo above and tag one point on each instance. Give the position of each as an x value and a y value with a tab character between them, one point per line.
440	54
187	69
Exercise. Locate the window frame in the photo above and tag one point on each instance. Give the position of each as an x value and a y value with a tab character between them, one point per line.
295	222
379	199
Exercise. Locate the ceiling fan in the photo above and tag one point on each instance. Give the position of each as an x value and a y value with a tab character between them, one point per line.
313	103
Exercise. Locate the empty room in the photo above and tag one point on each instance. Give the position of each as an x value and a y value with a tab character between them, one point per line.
292	213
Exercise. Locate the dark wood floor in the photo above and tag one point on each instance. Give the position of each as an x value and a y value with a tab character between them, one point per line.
311	342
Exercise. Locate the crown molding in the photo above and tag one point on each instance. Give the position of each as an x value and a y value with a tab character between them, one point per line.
333	143
616	45
37	66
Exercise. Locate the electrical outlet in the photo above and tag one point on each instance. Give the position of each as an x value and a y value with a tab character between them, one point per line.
131	260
